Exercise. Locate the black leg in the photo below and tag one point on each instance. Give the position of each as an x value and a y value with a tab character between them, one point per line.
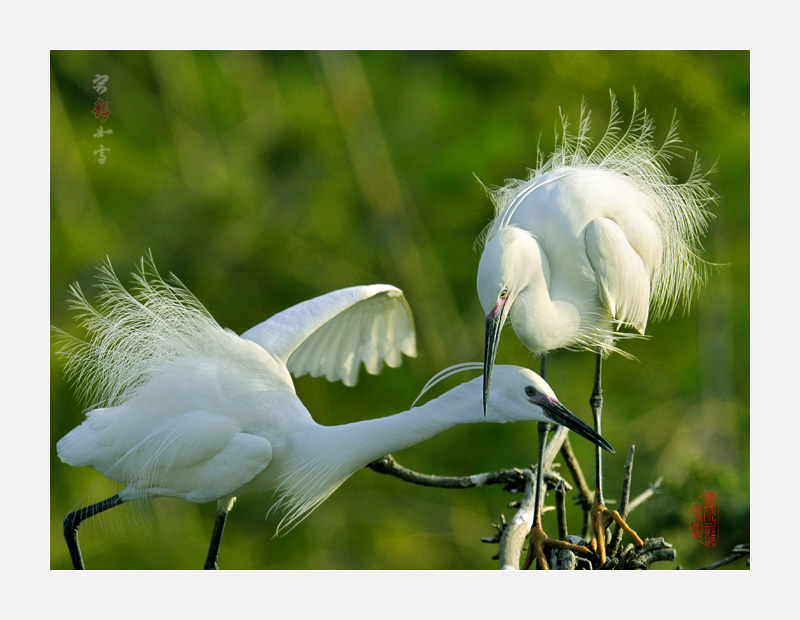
596	402
538	539
601	516
223	508
544	428
73	520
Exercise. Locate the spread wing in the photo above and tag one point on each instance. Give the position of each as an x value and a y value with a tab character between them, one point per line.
332	334
621	274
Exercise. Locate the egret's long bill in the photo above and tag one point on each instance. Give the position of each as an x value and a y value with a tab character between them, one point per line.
494	325
559	414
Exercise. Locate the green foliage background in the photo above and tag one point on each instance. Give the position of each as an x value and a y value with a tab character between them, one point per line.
264	179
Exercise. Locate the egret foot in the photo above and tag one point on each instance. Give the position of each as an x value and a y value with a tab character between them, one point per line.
601	518
539	541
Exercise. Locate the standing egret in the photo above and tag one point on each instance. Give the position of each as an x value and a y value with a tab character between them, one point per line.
184	408
593	242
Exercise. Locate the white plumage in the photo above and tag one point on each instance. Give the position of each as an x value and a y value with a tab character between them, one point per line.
184	408
596	241
181	407
369	324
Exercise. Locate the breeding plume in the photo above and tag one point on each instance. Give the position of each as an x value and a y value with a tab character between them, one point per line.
181	407
598	240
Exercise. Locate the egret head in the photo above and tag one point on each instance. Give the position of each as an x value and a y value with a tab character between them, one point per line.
507	264
520	394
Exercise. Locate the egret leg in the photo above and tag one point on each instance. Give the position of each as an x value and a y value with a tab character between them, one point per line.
223	508
73	520
538	539
601	516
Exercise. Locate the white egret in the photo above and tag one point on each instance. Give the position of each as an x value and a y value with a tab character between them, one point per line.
184	408
594	241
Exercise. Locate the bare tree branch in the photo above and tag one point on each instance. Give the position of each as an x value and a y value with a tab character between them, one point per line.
561	511
511	536
513	480
623	502
739	551
645	495
585	494
514	535
554	446
653	550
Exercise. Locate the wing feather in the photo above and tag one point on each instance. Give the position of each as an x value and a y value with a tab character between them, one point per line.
332	334
622	278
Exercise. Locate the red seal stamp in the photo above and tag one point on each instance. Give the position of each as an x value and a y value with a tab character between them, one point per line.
705	519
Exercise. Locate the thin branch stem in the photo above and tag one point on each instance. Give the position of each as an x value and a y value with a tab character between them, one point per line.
645	495
554	446
561	511
739	551
584	495
623	502
511	479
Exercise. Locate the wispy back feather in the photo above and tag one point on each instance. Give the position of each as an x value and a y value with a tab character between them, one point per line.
129	336
446	373
680	208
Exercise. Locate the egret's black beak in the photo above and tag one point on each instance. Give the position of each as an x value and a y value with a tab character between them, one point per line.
559	414
494	325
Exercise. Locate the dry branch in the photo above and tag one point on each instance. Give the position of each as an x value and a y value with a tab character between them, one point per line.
739	551
511	536
645	495
640	558
616	538
513	480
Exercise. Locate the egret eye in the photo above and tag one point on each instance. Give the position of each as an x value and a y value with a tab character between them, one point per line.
530	390
504	293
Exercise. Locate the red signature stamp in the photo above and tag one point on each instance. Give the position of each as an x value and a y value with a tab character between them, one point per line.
705	519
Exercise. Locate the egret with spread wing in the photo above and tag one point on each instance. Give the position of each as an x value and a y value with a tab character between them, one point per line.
595	241
184	408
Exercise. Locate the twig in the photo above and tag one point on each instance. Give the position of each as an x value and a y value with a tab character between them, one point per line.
585	495
554	446
616	537
512	479
561	511
511	536
563	559
645	495
739	551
